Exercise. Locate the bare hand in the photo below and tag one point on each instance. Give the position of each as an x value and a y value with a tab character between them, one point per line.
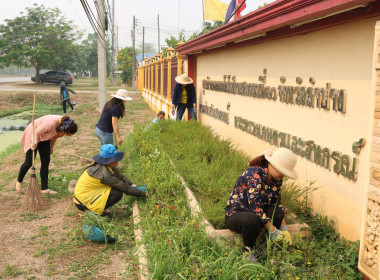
119	140
33	147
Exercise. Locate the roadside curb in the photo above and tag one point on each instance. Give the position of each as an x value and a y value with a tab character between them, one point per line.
141	250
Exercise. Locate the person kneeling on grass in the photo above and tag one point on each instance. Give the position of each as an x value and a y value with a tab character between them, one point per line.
102	184
255	201
160	117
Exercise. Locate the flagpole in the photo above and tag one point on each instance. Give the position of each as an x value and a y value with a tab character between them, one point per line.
235	11
203	10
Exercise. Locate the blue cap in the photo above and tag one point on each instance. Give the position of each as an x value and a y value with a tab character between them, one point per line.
108	153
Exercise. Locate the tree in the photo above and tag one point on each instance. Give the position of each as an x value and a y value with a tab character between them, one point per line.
173	41
41	39
124	62
148	48
207	27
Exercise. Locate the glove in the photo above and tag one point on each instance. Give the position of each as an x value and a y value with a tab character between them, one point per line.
286	234
143	188
172	111
276	235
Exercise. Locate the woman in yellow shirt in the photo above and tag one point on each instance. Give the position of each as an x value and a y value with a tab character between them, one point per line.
102	184
184	97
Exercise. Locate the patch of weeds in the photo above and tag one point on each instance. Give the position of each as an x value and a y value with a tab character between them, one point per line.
69	214
30	216
32	237
44	230
180	249
10	150
60	183
12	271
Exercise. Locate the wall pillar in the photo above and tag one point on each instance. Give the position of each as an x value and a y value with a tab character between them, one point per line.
369	257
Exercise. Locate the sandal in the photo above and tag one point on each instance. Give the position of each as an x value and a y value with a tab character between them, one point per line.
48	191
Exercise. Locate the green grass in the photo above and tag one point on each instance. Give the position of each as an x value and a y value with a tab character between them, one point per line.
41	109
10	150
12	271
176	242
209	164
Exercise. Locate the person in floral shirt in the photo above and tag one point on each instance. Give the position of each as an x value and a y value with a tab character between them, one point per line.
255	200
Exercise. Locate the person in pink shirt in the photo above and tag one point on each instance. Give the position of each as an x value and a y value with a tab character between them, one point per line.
47	130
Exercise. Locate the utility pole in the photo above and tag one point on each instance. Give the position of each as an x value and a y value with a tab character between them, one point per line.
117	37
158	24
101	54
134	54
113	39
143	43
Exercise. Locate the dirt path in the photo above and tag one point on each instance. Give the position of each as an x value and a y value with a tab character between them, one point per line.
50	244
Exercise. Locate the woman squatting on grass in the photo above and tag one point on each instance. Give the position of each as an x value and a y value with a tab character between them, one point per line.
102	184
255	200
47	130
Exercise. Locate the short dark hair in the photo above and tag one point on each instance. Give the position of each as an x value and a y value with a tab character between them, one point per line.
161	113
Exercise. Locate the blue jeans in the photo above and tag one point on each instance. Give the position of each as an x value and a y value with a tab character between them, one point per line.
104	137
181	110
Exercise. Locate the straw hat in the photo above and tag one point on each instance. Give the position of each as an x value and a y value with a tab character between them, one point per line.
284	161
184	79
122	94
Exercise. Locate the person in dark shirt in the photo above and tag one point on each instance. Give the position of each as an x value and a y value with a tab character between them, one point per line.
108	122
184	97
255	200
64	96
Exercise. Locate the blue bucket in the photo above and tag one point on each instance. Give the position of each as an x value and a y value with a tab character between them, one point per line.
95	234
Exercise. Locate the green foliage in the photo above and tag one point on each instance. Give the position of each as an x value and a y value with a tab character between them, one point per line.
124	60
173	41
209	164
179	248
109	227
177	245
42	39
12	271
207	27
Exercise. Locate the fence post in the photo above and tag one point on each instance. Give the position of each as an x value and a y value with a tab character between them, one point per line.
162	77
170	53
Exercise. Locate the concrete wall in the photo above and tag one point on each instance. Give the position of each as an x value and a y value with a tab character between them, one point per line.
339	55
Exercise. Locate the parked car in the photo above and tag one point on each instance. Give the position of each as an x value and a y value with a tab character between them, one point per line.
55	77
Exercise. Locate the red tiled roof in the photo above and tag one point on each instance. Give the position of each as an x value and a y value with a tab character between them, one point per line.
282	18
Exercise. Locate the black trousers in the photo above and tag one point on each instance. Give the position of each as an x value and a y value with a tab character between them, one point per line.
114	197
249	224
43	149
64	105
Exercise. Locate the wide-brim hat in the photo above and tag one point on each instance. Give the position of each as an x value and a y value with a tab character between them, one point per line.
284	160
183	79
122	94
108	153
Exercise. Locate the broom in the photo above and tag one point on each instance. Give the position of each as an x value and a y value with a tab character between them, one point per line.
33	197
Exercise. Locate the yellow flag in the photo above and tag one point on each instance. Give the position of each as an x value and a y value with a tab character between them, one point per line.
215	10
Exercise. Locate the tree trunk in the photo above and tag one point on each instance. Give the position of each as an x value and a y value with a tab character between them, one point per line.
37	67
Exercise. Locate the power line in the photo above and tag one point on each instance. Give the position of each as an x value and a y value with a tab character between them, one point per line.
87	10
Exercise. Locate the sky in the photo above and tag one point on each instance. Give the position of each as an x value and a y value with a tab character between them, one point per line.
174	16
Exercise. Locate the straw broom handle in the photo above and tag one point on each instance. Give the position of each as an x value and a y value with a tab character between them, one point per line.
34	110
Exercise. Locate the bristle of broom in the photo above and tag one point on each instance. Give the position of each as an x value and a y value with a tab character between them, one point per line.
33	198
